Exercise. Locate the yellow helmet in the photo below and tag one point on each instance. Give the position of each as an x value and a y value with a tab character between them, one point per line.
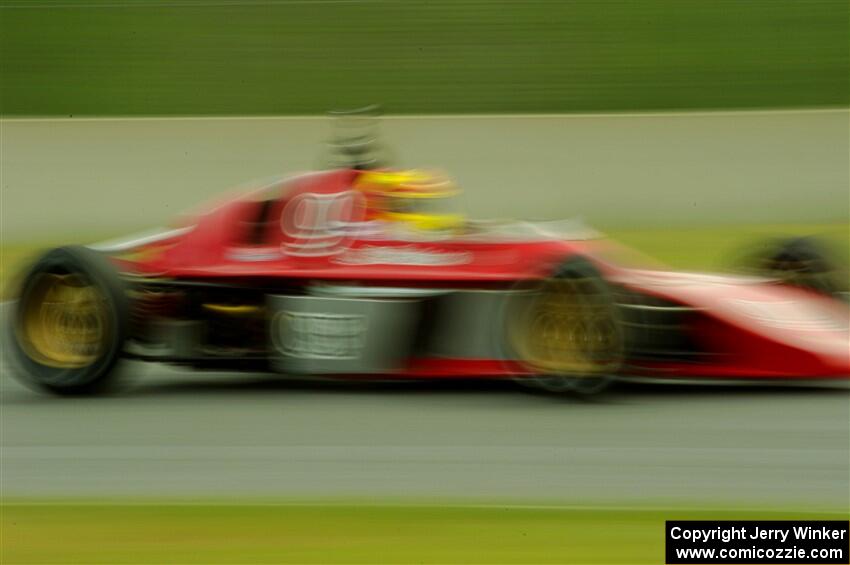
409	196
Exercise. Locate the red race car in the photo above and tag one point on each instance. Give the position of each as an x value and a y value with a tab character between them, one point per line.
358	272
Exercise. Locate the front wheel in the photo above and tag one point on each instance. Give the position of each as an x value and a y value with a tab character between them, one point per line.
803	262
69	323
567	330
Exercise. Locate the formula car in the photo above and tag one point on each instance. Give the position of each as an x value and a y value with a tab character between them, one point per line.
358	271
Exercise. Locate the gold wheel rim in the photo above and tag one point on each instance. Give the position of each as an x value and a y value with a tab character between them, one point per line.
64	322
566	326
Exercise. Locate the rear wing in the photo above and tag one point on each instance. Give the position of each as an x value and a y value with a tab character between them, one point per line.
355	140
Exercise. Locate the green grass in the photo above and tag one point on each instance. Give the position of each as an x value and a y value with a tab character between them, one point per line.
143	57
257	533
716	247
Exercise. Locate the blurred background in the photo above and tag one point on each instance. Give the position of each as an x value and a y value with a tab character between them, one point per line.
657	114
201	57
685	128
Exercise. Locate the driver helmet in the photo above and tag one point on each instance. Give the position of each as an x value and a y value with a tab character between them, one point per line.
410	196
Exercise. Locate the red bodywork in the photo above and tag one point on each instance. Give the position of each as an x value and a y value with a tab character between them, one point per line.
313	228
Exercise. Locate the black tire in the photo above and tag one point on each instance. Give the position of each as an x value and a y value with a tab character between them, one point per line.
804	262
70	346
592	352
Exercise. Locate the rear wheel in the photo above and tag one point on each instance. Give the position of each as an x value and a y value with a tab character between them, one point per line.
567	330
70	322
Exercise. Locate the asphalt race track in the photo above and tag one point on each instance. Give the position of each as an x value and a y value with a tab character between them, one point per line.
197	435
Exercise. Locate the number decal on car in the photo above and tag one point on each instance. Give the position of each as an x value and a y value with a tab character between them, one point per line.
316	225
